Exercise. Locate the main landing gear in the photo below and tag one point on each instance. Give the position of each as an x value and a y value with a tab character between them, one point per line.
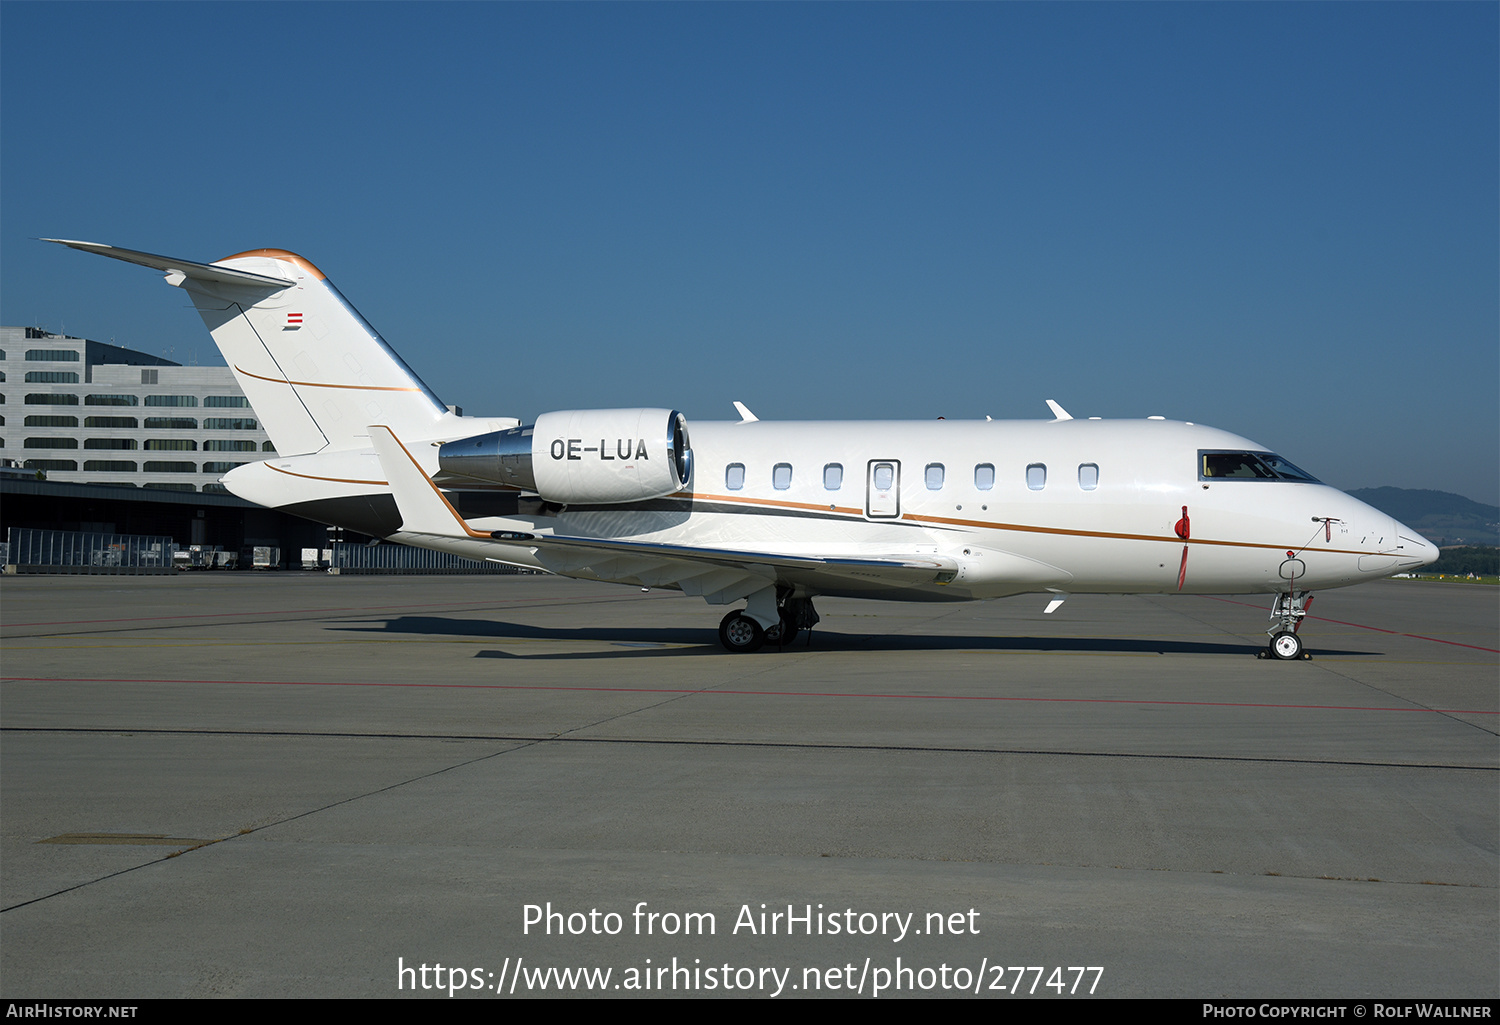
1287	615
741	634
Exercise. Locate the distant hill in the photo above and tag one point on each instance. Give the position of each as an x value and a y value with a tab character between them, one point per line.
1441	516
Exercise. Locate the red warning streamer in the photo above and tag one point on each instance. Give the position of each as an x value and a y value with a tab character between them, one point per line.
1184	529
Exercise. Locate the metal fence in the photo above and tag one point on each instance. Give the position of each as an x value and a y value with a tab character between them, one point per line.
63	551
67	551
394	559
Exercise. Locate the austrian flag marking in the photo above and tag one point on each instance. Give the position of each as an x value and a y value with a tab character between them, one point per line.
294	320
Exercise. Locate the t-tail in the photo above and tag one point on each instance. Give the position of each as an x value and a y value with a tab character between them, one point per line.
315	371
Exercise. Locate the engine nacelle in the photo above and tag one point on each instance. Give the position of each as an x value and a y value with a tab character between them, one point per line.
582	456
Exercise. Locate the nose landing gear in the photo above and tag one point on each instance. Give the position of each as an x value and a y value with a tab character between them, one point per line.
1287	615
1285	645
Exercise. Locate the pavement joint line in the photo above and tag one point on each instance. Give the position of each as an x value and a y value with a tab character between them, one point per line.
689	691
251	830
525	741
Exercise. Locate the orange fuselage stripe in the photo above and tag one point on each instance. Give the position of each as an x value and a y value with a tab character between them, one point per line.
908	517
336	480
1029	528
320	384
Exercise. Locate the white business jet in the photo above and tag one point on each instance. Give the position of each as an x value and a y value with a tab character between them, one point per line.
772	514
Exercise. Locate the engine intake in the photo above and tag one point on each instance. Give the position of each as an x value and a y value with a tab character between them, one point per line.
582	456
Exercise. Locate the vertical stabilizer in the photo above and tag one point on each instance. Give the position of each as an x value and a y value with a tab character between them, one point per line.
315	371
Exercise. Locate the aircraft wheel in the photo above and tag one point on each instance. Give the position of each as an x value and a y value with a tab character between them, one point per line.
782	634
740	634
1286	646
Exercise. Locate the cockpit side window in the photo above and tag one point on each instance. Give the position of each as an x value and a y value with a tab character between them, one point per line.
1250	466
1233	466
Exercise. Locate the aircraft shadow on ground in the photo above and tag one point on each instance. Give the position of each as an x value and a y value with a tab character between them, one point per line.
657	642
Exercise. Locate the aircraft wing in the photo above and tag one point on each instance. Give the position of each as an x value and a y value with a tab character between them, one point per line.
720	574
692	567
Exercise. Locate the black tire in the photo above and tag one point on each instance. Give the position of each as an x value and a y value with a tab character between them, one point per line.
782	634
741	634
1286	646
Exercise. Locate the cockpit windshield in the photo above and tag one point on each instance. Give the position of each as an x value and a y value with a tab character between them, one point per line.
1287	470
1250	466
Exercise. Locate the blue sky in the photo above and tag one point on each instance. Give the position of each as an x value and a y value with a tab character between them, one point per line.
1279	219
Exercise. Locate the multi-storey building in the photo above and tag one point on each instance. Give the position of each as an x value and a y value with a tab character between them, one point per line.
84	411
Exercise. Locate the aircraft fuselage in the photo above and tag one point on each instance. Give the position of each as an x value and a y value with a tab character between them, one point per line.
1074	506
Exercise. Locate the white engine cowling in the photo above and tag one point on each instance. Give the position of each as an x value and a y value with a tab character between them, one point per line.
582	456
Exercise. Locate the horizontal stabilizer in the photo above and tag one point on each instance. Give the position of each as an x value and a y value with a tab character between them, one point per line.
187	268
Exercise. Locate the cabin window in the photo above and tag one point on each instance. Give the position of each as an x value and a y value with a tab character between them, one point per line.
1036	476
934	476
734	476
984	476
885	473
781	476
833	476
1088	476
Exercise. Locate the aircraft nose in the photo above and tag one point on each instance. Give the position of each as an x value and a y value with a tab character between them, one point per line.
1390	546
1413	550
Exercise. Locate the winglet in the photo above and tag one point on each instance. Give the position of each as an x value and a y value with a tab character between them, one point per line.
746	417
422	506
1059	414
